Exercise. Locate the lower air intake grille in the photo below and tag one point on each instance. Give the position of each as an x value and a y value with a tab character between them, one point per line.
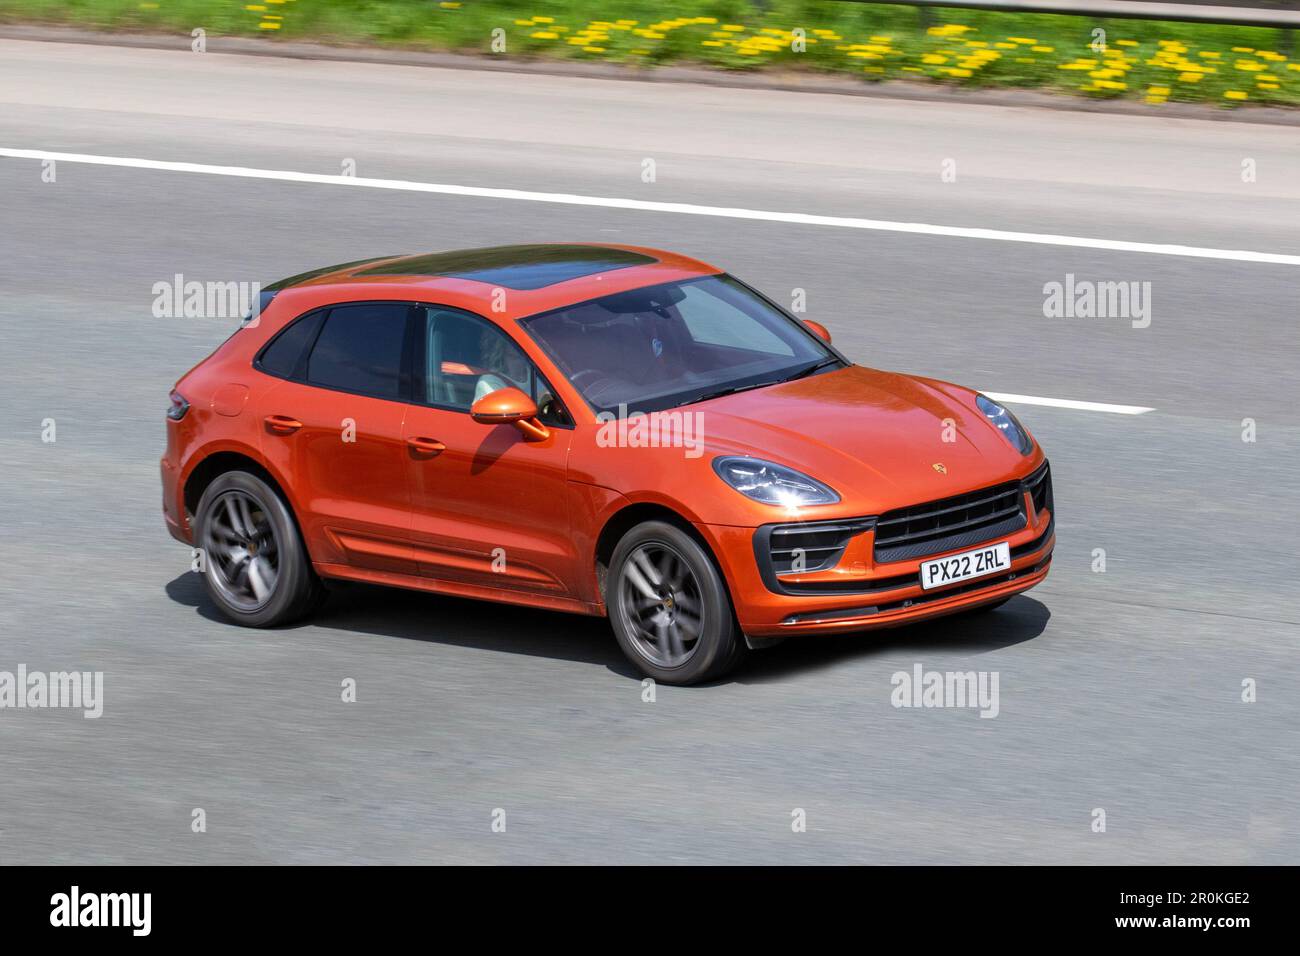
810	547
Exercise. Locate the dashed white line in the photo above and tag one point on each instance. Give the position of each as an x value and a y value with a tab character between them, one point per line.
643	205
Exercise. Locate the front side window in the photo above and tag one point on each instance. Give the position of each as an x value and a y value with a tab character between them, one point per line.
673	344
359	349
466	358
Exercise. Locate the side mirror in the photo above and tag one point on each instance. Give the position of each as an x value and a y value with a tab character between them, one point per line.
818	330
509	406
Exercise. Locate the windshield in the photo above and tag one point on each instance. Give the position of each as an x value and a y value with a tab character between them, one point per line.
676	343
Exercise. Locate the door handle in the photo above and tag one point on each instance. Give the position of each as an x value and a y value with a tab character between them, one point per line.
282	424
429	447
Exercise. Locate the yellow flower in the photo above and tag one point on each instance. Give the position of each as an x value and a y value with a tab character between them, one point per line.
1235	94
1158	91
1189	77
1044	49
934	58
1249	66
544	35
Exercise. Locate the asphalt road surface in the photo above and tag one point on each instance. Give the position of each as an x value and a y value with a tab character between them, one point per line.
1119	690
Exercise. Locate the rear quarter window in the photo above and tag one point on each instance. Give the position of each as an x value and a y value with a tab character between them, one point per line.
282	357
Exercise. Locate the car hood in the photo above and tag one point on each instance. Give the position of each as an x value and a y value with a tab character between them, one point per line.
880	439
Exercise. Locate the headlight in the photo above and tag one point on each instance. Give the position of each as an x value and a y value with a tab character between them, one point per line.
1006	423
178	407
772	484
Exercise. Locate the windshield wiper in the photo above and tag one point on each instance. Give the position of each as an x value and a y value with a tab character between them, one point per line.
805	372
733	389
729	390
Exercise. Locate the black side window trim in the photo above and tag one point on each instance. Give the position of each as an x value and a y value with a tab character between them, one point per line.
410	373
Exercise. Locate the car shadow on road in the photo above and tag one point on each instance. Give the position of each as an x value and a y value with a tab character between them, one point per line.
1020	619
436	618
421	616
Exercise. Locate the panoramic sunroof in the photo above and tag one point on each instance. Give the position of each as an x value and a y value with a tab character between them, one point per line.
514	267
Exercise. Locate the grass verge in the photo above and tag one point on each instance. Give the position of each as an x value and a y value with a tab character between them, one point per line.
1155	61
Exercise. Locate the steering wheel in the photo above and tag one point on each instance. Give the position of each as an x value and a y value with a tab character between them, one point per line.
592	377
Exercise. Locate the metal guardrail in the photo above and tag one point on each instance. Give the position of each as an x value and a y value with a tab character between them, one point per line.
1284	14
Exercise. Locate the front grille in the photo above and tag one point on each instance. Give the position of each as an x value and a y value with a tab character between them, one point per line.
950	523
815	546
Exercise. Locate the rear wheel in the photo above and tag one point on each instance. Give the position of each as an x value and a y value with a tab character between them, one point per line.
669	607
255	566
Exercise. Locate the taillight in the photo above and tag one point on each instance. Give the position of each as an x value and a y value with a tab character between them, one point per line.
179	406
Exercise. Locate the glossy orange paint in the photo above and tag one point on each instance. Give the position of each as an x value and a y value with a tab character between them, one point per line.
429	498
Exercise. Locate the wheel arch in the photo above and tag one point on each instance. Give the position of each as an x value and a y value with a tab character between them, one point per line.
628	517
218	463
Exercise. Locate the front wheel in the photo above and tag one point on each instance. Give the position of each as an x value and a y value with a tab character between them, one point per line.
669	607
255	566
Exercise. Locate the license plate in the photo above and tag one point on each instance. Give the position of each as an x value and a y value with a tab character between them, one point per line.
989	559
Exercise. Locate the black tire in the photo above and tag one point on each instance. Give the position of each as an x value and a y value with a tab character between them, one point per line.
693	605
236	538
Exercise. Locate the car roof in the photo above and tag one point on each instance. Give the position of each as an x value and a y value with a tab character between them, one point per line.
536	277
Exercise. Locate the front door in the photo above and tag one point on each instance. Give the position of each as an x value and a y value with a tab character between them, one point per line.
488	507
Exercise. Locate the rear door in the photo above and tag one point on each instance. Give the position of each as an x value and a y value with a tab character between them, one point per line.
335	424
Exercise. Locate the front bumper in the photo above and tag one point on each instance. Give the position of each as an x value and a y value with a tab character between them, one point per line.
860	593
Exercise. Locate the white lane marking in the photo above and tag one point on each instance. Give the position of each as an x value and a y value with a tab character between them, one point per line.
1069	403
251	173
688	209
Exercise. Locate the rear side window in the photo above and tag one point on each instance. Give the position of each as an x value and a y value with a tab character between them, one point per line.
360	350
286	350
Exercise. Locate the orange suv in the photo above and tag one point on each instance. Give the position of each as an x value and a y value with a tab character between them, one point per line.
605	430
